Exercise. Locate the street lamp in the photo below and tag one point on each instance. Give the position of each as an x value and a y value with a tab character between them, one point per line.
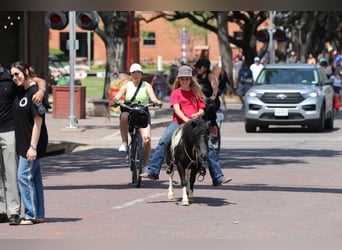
271	30
299	25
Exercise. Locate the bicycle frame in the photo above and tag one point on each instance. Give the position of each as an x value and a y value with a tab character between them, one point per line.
135	148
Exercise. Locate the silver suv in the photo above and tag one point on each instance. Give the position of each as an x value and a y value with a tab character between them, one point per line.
290	94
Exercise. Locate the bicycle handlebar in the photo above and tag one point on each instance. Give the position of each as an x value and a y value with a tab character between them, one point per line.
115	103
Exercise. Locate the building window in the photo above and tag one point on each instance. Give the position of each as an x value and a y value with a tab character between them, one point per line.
149	38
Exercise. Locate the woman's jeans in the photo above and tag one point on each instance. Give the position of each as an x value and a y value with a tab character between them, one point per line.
159	155
31	188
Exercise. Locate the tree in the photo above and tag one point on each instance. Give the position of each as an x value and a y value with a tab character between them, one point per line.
310	31
114	35
217	22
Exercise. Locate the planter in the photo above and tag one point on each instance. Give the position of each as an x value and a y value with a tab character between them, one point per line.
61	101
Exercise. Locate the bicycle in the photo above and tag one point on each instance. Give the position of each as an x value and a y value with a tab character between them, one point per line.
216	141
137	118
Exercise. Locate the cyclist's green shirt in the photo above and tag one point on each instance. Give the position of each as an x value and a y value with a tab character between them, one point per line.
141	96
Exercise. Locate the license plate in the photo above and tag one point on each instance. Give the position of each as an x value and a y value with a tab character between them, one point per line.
281	112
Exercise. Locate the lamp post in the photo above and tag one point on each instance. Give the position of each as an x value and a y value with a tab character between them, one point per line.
271	41
299	25
72	55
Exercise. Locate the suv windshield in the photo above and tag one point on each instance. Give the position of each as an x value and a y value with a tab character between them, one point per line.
288	76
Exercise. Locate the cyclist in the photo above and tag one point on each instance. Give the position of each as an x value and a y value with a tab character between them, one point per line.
209	86
136	91
187	101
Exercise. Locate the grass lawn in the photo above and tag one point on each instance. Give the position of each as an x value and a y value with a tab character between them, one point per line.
94	86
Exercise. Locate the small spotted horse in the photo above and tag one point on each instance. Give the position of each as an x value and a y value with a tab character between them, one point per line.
188	150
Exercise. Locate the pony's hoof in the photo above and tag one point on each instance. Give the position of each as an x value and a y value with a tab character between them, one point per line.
185	203
170	196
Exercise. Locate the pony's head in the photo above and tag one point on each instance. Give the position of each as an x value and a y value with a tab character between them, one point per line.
196	136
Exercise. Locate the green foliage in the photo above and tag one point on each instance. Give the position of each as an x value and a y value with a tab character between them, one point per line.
59	53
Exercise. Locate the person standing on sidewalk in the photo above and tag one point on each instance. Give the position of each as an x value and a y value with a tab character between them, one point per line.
136	91
245	80
31	131
9	191
187	101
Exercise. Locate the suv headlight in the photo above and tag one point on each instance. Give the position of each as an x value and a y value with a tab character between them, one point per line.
253	94
313	94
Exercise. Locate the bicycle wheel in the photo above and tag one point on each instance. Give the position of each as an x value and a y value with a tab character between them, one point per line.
136	159
216	141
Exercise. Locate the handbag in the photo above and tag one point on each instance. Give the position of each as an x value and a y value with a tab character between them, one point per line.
132	99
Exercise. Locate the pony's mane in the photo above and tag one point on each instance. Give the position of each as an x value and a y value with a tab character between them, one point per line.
192	129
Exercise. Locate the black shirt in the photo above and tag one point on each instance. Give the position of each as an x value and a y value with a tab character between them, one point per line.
24	112
205	85
7	96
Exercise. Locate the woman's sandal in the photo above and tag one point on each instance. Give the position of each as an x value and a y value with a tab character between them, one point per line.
27	222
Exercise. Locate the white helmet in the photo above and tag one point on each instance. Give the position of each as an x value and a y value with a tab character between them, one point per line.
135	67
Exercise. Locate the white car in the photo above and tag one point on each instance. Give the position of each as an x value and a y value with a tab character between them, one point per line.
290	94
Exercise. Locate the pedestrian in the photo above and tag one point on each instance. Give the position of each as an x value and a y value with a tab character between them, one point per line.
209	86
337	83
311	59
292	58
245	81
256	67
31	131
10	203
223	85
323	62
159	84
188	102
136	91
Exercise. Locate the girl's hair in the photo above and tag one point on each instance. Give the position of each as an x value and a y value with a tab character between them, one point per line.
22	66
194	85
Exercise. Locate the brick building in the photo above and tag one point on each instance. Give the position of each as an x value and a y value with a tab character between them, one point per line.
157	38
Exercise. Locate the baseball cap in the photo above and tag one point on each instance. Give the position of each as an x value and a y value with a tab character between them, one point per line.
256	59
184	71
135	67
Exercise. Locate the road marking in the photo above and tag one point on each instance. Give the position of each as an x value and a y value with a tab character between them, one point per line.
136	201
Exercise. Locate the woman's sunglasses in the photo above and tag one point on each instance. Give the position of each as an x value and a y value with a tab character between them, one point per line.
16	74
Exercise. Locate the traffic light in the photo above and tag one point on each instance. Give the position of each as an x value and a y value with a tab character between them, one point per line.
87	20
262	36
280	35
57	20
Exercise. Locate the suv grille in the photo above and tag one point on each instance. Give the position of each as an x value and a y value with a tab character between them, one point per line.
290	98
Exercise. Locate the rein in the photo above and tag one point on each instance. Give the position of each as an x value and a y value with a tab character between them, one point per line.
195	161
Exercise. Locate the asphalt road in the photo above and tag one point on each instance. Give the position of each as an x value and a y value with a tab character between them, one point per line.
286	185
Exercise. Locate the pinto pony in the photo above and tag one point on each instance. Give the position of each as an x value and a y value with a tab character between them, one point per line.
188	150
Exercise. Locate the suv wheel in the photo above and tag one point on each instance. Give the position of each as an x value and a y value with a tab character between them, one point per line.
319	127
329	123
250	128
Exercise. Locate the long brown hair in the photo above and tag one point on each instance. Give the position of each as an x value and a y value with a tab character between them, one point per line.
22	66
194	86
